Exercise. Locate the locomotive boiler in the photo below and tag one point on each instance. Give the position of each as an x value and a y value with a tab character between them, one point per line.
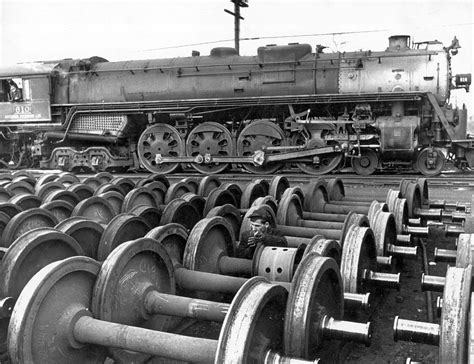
286	107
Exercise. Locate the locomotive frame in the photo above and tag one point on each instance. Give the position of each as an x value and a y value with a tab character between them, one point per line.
285	107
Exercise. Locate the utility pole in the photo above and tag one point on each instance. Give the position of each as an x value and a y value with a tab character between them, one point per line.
236	13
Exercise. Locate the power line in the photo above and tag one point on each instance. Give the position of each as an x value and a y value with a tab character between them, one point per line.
295	36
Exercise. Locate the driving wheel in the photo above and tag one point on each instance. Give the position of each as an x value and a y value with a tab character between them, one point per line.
160	140
211	139
319	164
258	136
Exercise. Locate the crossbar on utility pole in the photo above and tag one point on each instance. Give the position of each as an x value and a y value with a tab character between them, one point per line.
236	13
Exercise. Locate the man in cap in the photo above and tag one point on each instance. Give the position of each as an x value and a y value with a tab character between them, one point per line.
260	233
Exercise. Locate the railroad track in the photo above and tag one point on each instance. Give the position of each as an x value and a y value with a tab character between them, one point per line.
450	178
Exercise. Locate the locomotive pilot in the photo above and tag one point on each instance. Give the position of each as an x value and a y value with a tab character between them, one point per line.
260	233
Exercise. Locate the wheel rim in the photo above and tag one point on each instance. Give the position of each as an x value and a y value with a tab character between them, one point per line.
212	139
256	135
160	139
327	162
366	164
425	167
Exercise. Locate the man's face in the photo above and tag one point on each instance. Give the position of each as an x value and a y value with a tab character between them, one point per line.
258	226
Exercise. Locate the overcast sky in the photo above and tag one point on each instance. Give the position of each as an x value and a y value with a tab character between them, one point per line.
118	30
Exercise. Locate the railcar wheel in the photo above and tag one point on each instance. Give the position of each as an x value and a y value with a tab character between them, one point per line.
139	196
231	214
316	292
82	190
181	212
176	190
234	189
86	232
160	139
197	201
253	327
212	139
278	185
142	263
74	278
173	238
122	228
256	136
218	197
60	209
26	201
317	165
114	198
430	161
95	208
26	221
366	164
151	215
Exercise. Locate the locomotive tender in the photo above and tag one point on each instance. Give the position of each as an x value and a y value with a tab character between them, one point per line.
284	107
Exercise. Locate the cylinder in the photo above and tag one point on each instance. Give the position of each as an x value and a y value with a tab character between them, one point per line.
309	233
387	280
165	304
317	224
277	263
445	255
447	205
417	332
403	251
374	195
235	266
414	222
405	239
295	242
324	216
432	283
351	203
418	231
455	216
272	357
341	209
428	214
207	282
346	330
453	231
386	261
357	301
88	330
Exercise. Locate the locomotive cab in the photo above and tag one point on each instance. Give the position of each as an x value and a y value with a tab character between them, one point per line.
25	95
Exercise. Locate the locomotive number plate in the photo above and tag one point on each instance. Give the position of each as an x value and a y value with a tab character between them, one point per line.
22	109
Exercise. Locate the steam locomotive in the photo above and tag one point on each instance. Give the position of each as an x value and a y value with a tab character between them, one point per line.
286	107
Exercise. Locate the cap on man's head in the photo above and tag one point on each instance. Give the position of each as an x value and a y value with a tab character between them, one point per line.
260	213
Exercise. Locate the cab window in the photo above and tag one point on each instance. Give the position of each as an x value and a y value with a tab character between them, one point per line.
15	89
4	89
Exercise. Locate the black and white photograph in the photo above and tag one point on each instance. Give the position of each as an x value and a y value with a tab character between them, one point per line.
236	181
